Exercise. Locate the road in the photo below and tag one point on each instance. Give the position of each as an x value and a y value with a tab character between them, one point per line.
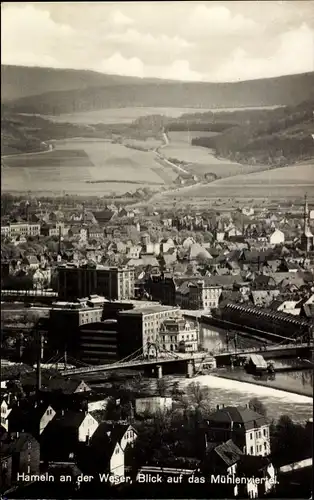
163	158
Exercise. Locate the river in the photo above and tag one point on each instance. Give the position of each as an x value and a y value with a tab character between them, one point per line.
287	393
238	393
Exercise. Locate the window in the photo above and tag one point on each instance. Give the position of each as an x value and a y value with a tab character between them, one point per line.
251	450
29	445
265	446
251	435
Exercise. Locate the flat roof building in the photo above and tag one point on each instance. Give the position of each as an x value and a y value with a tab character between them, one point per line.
139	328
65	318
114	283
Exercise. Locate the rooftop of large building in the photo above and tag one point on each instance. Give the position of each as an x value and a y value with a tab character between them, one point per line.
97	267
80	304
266	314
148	310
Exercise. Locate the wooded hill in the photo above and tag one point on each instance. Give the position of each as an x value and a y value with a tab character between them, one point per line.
24	81
281	136
94	91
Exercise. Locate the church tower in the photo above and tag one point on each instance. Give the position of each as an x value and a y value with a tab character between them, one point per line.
307	238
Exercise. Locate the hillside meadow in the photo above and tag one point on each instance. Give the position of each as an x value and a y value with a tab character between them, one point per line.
279	183
202	160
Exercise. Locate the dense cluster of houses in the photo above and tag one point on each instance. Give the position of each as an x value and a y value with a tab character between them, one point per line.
257	245
70	413
251	259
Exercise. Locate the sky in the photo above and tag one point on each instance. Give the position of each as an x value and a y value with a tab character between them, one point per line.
190	41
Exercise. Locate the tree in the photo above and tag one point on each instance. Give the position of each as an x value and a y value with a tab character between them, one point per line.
161	387
258	406
175	391
290	441
197	398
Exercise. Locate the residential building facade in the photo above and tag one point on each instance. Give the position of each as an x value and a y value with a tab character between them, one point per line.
247	429
177	334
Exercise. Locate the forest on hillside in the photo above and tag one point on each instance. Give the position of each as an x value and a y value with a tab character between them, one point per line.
93	94
275	137
279	136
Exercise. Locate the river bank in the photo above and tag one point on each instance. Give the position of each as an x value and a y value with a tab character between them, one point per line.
276	384
230	392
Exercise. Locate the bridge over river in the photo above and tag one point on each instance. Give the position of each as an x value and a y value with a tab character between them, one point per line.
193	362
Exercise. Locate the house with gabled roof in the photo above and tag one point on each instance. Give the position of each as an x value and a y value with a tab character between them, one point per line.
69	428
222	458
106	450
30	417
247	429
30	262
5	411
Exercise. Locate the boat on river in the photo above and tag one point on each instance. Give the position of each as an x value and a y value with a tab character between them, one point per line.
255	364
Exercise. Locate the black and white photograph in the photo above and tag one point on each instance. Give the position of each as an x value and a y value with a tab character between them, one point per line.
157	250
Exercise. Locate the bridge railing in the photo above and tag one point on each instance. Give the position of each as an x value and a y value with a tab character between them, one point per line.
267	349
143	361
29	293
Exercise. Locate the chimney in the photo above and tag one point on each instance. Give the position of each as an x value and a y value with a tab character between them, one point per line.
27	211
39	352
59	240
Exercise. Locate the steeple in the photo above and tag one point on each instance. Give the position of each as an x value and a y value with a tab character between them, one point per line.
306	215
307	238
60	240
27	211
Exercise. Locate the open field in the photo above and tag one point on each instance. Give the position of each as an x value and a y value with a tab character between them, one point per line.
202	160
50	159
295	175
278	184
143	145
84	167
